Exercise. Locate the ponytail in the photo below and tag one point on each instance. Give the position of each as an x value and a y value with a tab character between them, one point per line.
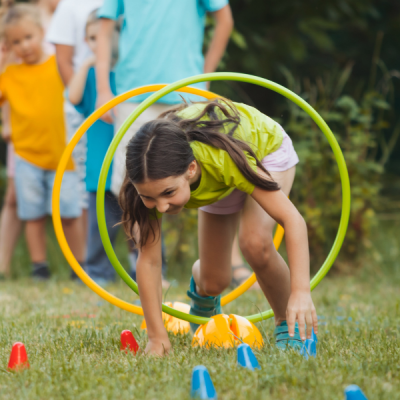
209	132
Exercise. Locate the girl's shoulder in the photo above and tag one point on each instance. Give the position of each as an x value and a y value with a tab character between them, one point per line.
210	157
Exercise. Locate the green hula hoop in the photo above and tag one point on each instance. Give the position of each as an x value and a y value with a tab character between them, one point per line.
217	76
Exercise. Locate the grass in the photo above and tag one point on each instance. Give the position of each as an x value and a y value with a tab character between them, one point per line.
72	339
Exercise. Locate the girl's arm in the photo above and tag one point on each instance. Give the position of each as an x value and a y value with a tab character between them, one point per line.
222	32
64	57
103	62
300	305
148	273
78	82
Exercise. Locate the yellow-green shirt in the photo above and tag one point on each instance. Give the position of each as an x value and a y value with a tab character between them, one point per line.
219	174
35	94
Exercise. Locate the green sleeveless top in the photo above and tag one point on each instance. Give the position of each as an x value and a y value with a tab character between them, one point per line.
219	174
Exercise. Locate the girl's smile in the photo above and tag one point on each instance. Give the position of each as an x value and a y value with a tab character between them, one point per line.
169	195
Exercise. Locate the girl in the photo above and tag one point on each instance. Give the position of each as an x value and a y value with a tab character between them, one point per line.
237	166
34	91
10	224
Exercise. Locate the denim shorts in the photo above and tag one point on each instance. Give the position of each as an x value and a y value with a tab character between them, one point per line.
34	187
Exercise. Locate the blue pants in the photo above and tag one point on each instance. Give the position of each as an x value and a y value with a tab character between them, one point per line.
98	265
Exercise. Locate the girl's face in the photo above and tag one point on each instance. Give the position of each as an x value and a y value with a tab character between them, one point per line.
25	39
92	31
169	195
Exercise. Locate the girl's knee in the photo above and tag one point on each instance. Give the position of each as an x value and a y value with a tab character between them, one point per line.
67	222
214	288
10	199
210	286
257	249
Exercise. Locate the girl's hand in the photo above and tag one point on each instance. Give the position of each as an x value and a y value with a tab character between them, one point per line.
90	61
158	347
301	308
103	98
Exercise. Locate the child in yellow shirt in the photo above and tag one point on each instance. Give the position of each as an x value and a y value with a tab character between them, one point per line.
34	91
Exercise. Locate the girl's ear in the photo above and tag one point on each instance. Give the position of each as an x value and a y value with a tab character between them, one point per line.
192	169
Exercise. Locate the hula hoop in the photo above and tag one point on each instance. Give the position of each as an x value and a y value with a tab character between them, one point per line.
107	161
344	219
56	202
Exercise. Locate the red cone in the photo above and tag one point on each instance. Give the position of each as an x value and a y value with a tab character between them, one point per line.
18	357
129	341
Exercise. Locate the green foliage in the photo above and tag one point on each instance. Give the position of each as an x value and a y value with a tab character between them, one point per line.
357	125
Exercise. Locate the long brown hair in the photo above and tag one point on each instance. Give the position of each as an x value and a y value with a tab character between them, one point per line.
161	148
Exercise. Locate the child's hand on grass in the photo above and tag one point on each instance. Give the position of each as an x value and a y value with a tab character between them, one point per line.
158	347
301	308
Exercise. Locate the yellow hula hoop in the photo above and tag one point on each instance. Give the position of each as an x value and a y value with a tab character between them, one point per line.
56	202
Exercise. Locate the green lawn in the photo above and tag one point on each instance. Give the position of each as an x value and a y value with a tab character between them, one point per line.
72	339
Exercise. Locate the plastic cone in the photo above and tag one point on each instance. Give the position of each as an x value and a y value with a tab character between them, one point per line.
128	341
246	357
224	331
246	332
353	392
202	386
309	348
173	324
18	357
214	333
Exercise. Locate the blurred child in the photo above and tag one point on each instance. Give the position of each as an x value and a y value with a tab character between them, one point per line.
67	33
10	224
82	94
34	91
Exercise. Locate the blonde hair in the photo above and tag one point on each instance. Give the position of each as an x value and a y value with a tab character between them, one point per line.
17	12
92	19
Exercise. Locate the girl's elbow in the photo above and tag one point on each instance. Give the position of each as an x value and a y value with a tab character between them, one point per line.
301	221
295	219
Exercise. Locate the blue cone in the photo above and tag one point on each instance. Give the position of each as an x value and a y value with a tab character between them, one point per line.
202	386
246	357
309	348
353	392
314	336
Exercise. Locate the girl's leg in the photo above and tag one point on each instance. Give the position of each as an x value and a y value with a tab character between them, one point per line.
240	272
75	237
36	239
212	272
10	228
256	243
